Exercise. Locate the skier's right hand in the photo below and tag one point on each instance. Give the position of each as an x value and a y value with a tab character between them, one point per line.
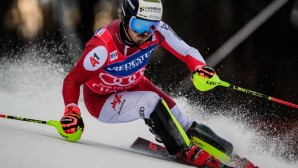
72	120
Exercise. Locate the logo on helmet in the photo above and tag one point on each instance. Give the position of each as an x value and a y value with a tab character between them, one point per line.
150	9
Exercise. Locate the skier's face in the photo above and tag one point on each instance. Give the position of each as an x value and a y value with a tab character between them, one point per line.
138	38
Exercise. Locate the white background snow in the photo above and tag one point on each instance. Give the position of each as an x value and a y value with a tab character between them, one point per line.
33	90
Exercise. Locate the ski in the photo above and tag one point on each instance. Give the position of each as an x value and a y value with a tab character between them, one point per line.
149	148
152	149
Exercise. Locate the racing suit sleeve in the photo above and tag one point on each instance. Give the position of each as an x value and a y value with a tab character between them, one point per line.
86	68
174	44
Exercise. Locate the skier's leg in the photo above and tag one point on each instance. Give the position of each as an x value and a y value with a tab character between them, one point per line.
165	125
202	132
132	105
192	128
128	106
146	85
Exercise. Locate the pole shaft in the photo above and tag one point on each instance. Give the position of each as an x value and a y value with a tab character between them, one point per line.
70	137
249	91
23	119
283	102
263	96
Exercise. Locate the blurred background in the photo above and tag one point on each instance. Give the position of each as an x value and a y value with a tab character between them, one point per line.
252	44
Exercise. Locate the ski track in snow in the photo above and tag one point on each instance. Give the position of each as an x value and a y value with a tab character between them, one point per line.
33	90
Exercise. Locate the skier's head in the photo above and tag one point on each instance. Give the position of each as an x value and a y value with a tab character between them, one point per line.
141	15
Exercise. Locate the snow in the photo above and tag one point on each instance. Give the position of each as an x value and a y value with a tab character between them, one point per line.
27	148
33	90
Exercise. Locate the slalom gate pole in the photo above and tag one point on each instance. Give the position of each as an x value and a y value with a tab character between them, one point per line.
70	137
253	93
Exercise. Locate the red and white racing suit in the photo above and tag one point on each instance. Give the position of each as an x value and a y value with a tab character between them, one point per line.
115	88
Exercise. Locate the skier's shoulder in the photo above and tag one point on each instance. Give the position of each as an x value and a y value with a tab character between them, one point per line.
104	34
163	27
165	31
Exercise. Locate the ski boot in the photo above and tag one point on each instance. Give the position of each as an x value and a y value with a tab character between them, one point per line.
194	155
206	134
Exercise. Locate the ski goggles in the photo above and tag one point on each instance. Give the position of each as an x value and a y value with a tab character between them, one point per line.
141	26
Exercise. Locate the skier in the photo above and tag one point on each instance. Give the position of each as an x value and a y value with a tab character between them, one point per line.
111	70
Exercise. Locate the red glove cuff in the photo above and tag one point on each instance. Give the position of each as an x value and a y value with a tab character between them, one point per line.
72	110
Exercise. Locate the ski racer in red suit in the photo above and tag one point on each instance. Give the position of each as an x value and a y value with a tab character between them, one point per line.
111	70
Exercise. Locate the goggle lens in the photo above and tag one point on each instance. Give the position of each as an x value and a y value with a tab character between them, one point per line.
141	26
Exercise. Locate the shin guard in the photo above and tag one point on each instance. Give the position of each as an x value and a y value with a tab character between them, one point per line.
164	125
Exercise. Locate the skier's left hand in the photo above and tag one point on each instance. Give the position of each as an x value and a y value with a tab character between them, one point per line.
204	78
205	71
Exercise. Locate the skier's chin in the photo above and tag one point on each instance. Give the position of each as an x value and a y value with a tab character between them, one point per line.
140	42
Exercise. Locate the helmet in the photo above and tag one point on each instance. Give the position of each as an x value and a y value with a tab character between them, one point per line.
144	9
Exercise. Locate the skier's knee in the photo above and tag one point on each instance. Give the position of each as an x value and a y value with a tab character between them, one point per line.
147	103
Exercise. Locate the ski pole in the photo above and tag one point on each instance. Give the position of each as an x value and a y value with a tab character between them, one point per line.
270	98
70	137
205	84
